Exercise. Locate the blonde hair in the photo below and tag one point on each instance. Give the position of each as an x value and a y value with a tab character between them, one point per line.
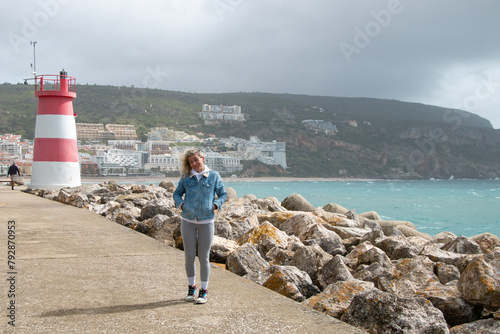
185	167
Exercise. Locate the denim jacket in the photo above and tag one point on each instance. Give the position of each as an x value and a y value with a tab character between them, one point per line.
199	196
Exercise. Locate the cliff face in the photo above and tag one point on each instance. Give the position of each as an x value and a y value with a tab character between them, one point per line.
413	153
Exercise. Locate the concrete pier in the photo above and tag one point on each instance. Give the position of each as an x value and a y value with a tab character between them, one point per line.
76	272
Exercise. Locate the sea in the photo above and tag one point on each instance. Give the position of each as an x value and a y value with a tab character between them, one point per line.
463	207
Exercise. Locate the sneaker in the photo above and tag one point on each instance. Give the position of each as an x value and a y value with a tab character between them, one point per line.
191	293
202	297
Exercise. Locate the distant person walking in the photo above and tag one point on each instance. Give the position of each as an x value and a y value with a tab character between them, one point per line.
198	185
13	173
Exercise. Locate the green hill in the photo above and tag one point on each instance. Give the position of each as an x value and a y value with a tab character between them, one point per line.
393	139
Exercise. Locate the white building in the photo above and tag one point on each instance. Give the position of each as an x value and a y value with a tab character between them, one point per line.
116	161
163	162
211	113
270	153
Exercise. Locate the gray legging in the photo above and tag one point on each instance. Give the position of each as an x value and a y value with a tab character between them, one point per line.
204	234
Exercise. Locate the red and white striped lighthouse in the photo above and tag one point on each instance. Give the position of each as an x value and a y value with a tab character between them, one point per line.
55	153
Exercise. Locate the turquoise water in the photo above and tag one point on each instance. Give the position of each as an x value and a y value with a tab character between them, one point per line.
463	207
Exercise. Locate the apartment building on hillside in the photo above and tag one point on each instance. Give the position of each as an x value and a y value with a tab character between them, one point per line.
219	113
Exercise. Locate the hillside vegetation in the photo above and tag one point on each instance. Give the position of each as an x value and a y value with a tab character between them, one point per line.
393	139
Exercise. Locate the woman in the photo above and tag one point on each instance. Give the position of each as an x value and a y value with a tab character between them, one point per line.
199	185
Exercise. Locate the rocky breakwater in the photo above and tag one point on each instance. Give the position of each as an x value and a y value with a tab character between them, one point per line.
381	276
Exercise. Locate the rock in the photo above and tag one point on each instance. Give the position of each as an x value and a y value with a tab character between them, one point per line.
279	256
410	232
443	238
140	227
132	197
373	236
328	240
381	312
372	264
268	205
221	248
487	242
103	209
168	185
334	271
409	277
250	197
299	225
407	228
295	202
236	209
310	259
335	208
79	200
486	326
331	245
151	210
275	218
480	282
462	245
352	257
222	228
162	227
439	255
241	226
265	237
371	215
63	196
456	310
446	273
126	219
337	297
397	247
374	255
416	241
231	194
352	215
349	232
246	260
290	282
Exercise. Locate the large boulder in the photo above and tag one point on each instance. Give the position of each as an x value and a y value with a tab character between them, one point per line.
462	245
246	260
397	247
221	248
455	308
337	297
486	326
265	237
487	242
162	227
480	282
310	259
290	282
295	202
381	312
334	271
231	194
335	208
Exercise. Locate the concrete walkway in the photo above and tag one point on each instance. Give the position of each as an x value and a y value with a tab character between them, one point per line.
77	272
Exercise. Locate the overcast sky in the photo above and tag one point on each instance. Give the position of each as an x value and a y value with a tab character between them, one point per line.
444	53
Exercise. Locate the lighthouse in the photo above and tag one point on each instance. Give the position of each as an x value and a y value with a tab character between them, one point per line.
55	153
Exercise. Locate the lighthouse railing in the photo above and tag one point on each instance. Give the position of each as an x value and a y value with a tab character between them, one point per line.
55	82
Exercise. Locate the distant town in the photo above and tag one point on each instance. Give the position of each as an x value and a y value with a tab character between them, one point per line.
115	150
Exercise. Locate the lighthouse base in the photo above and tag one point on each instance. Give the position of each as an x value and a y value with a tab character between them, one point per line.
54	175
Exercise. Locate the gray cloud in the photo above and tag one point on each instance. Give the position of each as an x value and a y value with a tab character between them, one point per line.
444	53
